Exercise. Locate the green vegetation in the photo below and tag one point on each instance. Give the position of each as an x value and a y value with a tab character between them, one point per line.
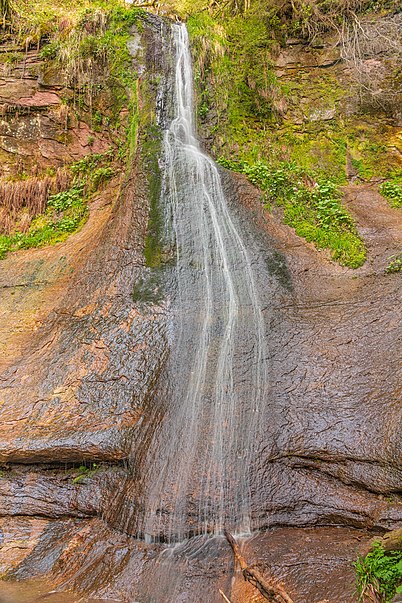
95	169
379	574
85	44
85	472
151	144
395	264
65	213
304	17
246	105
96	64
393	192
313	208
260	113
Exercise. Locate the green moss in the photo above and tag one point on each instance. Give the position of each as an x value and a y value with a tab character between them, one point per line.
95	60
151	148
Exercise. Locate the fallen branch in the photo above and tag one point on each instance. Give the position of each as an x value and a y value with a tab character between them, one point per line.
270	589
224	596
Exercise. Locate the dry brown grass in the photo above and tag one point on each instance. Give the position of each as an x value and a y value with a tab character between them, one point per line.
22	200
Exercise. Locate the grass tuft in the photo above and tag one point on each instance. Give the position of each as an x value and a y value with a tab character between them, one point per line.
392	191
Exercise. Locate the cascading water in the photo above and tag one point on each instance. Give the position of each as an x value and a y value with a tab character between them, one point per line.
194	475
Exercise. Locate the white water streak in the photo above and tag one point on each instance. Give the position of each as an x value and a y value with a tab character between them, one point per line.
206	444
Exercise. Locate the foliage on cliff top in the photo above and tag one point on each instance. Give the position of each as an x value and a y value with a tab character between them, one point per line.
36	19
307	17
86	46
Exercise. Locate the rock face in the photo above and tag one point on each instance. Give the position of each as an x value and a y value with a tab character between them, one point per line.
36	129
81	358
75	365
333	377
77	391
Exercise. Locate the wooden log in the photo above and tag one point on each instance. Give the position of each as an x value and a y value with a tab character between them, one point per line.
270	589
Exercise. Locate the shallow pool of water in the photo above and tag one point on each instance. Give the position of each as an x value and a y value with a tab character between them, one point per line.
37	591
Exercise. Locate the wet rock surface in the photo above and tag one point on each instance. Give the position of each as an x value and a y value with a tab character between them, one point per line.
80	362
54	493
323	469
314	563
334	376
77	390
74	367
36	128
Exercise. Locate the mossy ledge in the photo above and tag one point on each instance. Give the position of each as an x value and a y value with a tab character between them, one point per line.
86	75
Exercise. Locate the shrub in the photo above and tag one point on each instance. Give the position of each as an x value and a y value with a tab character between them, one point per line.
395	264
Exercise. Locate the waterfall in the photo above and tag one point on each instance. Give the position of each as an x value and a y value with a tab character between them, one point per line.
195	474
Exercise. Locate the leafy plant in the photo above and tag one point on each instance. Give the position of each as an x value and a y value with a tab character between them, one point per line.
312	207
102	175
393	192
50	50
86	165
379	574
65	199
395	265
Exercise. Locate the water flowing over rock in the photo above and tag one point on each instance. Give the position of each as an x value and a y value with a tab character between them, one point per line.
249	382
194	475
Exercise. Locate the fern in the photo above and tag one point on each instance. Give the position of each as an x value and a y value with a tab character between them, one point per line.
379	574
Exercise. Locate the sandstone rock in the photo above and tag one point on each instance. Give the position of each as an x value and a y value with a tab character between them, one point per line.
322	114
392	541
81	359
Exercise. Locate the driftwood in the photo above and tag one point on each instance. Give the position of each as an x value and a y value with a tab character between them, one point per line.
270	589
